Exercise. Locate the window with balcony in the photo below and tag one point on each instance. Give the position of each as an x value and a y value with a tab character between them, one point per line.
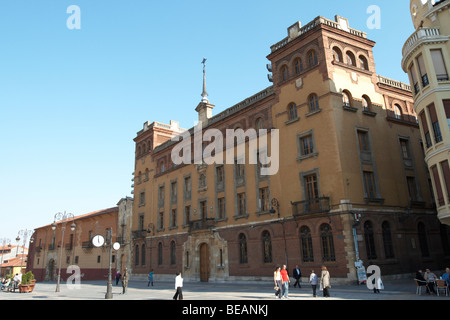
446	104
415	83
426	131
437	185
435	123
369	184
446	171
423	71
439	65
397	112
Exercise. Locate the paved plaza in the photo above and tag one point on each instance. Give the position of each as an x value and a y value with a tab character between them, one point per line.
402	289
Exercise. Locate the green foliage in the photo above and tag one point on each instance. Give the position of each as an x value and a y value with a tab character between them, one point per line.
27	277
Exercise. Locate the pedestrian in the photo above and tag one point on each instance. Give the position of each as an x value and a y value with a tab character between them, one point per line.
118	275
277	281
325	282
297	274
313	280
125	281
178	287
446	276
150	278
285	282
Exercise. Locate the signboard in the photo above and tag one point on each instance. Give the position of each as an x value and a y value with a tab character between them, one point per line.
361	272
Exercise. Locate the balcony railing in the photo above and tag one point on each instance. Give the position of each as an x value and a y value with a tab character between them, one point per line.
202	224
87	245
317	205
139	234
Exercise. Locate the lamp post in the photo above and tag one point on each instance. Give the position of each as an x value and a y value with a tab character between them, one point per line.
24	233
276	208
61	217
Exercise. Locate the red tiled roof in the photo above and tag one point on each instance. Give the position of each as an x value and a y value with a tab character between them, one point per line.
15	262
84	216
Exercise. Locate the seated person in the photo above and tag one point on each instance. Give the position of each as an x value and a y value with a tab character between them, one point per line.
431	278
446	276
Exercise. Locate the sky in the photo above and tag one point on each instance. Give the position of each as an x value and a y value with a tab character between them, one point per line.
72	100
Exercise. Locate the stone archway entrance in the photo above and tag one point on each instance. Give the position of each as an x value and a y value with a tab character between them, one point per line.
204	262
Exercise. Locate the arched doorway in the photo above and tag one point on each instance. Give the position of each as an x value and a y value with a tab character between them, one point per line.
204	262
51	271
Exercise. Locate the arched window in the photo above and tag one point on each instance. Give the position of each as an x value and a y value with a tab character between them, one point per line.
327	244
366	103
346	98
387	240
363	63
313	102
423	241
173	252
259	124
312	58
337	54
298	64
306	244
160	253
243	258
267	247
136	255
369	240
143	255
397	111
292	111
351	59
284	73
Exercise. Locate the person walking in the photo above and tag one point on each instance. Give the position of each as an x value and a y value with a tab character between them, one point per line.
297	274
118	275
325	282
125	281
277	281
150	278
285	282
178	287
313	280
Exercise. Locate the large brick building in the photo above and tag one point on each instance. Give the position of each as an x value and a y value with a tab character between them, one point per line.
77	248
352	182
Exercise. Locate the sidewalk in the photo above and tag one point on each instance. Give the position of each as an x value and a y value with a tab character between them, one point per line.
402	289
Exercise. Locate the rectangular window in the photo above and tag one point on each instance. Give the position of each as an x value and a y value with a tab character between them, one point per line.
187	214
369	184
219	173
174	218
161	220
241	204
312	190
203	210
307	145
439	65
423	71
142	198
412	73
264	199
447	111
437	184
446	170
221	208
363	138
404	145
435	123
239	169
412	189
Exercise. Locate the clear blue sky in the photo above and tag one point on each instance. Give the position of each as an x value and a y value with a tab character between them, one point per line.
72	101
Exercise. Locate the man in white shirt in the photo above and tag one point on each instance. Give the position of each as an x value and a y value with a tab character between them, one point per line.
178	287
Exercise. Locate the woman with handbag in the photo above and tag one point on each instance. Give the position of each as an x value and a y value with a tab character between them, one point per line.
325	282
277	281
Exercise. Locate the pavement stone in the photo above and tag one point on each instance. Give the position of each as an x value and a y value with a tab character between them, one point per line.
401	289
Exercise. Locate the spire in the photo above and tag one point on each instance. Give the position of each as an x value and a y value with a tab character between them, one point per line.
204	93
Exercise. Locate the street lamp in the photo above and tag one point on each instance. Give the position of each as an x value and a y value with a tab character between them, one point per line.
25	233
276	205
61	217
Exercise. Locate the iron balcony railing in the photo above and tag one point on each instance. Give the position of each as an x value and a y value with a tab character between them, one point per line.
317	205
202	224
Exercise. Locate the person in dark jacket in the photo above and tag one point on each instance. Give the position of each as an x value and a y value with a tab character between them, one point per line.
297	274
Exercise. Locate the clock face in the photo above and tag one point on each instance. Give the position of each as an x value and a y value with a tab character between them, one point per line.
116	246
98	241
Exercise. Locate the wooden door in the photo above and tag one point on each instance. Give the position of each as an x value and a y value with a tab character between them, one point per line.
204	262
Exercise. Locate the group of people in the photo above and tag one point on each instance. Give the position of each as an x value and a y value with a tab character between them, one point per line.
11	282
428	279
282	281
